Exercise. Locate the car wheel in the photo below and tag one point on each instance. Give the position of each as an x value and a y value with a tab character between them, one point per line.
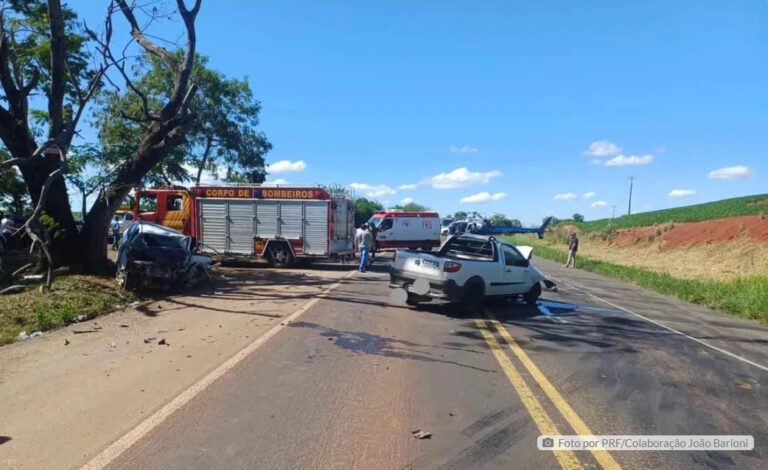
533	295
124	280
473	299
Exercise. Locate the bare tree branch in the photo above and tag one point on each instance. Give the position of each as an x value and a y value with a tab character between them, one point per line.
139	36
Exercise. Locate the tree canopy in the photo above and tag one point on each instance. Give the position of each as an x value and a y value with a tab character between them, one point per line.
501	220
364	209
411	207
222	137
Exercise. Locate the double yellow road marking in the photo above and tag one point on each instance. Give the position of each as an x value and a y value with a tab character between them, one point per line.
567	459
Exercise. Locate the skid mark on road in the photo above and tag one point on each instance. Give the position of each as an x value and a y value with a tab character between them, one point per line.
565	458
117	448
666	327
603	457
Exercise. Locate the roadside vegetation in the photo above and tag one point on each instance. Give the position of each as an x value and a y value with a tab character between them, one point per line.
70	298
748	205
744	297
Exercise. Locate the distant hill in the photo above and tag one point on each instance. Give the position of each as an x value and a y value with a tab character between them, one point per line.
747	205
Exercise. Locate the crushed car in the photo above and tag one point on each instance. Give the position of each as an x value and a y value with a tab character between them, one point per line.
157	257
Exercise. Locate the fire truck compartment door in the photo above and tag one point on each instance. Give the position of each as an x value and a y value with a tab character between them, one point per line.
291	219
316	228
214	224
241	227
266	219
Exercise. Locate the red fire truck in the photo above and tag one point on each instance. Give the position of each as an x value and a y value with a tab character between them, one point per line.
282	224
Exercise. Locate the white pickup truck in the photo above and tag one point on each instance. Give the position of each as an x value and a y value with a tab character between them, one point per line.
466	269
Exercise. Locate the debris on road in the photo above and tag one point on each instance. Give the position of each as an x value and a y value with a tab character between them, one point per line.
35	334
149	340
22	336
163	342
123	325
419	434
80	318
81	332
66	342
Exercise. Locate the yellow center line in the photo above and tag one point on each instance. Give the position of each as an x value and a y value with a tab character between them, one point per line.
566	458
603	457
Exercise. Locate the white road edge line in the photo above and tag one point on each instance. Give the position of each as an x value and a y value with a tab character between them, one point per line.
108	455
669	328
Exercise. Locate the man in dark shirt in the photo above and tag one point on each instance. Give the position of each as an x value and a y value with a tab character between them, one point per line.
573	247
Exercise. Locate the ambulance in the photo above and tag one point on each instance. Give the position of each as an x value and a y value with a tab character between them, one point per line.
394	229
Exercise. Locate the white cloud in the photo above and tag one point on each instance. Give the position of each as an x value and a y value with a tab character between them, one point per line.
277	181
602	148
738	172
565	196
463	149
589	195
406	200
485	196
379	190
678	193
407	187
287	166
598	204
632	160
461	178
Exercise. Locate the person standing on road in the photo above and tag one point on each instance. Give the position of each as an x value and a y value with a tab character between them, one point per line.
366	245
115	230
358	237
573	247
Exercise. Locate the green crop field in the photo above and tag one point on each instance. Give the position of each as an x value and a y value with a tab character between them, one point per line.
748	205
744	297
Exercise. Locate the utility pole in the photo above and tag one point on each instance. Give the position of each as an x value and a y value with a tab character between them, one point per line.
631	183
614	212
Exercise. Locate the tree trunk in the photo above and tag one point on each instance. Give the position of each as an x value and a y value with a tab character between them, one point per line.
206	153
82	214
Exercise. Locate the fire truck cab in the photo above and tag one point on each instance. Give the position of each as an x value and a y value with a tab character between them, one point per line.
281	224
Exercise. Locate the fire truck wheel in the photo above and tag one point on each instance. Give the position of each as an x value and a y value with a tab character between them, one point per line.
280	255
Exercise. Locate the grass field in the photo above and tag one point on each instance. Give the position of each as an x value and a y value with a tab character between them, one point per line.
748	205
69	297
744	297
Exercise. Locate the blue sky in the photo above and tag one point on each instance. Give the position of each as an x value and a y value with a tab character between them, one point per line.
499	101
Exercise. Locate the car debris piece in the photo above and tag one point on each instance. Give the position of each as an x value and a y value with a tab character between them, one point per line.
11	290
22	336
149	340
35	334
419	434
163	342
66	342
154	256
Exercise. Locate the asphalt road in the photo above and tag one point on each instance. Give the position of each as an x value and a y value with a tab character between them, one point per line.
346	383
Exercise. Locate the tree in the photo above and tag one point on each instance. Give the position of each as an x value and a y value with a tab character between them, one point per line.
364	209
43	50
500	220
222	131
578	217
411	207
460	215
84	174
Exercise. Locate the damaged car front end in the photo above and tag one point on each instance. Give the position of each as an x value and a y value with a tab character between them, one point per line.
151	256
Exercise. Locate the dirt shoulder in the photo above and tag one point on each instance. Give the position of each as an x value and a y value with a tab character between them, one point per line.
73	391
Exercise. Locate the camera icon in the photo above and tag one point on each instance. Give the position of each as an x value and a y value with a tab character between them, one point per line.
547	442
